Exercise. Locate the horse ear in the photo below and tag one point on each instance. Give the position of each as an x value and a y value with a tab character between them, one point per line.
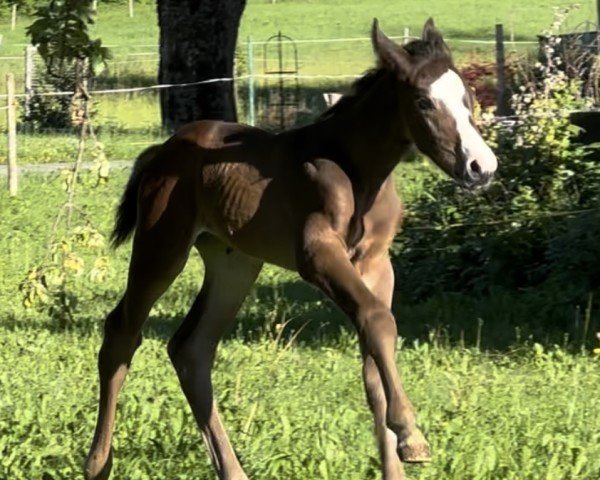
390	55
433	36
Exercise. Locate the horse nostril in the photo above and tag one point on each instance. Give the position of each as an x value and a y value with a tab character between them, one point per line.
475	168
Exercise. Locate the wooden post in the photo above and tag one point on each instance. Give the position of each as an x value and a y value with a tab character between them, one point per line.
251	106
13	22
406	38
501	107
11	121
29	74
131	8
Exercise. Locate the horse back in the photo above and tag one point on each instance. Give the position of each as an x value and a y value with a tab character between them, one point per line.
214	134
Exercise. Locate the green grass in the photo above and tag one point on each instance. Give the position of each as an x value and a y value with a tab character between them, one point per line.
333	19
26	221
137	117
328	19
299	412
294	410
495	404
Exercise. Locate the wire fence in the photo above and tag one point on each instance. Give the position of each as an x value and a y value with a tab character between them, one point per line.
279	84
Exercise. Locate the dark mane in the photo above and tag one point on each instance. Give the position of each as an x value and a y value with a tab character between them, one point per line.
422	51
418	49
358	88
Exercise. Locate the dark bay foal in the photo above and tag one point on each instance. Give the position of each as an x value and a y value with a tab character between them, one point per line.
319	200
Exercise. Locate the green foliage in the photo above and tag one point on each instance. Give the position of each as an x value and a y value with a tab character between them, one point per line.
54	286
60	33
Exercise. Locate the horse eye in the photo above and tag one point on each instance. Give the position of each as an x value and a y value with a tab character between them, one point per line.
425	103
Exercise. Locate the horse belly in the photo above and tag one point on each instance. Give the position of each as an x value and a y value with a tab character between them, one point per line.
268	235
250	213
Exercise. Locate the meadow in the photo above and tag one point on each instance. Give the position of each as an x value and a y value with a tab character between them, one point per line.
287	377
505	383
123	118
298	412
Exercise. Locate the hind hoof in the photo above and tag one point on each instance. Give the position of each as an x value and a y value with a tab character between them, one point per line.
414	449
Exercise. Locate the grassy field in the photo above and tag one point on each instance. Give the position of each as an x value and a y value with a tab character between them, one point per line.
298	412
295	409
135	115
505	385
496	404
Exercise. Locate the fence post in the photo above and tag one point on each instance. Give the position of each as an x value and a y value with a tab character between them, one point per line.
13	21
250	61
131	8
29	74
11	121
406	37
501	108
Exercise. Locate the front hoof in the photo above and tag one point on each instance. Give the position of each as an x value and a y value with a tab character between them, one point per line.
98	468
414	448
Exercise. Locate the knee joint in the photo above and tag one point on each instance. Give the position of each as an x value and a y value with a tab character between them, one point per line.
377	319
377	328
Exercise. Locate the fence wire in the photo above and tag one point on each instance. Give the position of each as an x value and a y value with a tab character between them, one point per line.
325	66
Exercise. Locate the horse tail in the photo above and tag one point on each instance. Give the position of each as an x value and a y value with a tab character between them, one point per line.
126	216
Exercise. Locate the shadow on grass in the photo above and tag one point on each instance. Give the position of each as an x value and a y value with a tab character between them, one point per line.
294	312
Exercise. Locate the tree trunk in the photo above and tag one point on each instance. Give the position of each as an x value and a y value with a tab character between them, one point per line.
197	42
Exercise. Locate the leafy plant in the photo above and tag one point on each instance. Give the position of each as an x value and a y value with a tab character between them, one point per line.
70	55
480	77
79	254
509	236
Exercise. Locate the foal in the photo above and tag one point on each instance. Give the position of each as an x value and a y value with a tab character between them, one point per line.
319	200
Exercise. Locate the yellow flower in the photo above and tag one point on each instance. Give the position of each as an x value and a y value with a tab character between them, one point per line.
596	351
73	262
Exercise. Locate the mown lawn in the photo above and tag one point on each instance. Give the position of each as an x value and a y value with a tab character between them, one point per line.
128	122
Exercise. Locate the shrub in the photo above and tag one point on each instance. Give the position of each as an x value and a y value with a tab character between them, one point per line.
60	32
480	77
533	225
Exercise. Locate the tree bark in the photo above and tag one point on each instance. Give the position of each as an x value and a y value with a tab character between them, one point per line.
197	42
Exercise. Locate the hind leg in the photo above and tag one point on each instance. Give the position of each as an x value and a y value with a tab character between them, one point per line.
229	275
158	256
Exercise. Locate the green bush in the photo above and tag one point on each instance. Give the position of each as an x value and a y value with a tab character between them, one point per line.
537	223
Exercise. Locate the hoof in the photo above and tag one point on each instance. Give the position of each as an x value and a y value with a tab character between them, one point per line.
97	468
414	448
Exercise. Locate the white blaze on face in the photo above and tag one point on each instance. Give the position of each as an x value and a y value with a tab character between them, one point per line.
449	90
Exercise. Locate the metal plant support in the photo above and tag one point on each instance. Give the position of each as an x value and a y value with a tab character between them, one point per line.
282	102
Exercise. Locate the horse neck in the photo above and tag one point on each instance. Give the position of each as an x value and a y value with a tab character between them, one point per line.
371	134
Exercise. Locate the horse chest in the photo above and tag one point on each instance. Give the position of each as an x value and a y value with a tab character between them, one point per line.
371	233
